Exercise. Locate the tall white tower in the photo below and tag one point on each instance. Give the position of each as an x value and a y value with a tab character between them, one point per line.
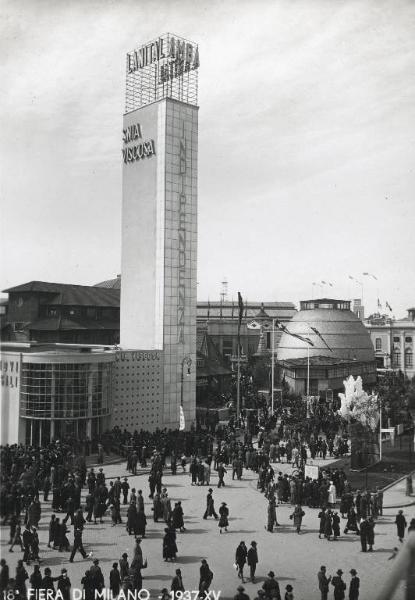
157	363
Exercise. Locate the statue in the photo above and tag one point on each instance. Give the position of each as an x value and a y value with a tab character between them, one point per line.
362	412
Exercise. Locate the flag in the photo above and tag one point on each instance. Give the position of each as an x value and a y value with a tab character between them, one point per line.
379	304
388	306
182	424
350	277
283	328
323	282
253	325
316	331
330	284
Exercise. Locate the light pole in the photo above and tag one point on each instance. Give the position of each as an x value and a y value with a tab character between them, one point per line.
186	361
272	365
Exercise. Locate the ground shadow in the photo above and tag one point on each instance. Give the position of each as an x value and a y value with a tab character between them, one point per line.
186	559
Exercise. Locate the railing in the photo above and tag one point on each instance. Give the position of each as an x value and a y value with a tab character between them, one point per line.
403	568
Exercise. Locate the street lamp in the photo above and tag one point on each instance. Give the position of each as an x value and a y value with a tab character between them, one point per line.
186	361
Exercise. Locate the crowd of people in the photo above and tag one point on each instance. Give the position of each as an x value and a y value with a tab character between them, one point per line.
57	477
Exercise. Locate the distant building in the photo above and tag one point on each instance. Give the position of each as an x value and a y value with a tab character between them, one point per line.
61	313
340	347
393	341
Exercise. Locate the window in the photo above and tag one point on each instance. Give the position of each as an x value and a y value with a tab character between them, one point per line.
378	343
408	340
409	359
396	360
396	339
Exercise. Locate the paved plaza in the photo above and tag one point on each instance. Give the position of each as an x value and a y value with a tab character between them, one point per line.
294	558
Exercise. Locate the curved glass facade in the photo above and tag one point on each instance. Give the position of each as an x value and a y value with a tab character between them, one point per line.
65	390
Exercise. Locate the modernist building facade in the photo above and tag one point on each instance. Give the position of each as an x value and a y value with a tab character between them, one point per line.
49	391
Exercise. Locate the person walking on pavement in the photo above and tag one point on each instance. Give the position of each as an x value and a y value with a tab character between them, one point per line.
400	522
221	475
354	585
323	582
77	544
210	506
339	585
224	514
252	560
240	559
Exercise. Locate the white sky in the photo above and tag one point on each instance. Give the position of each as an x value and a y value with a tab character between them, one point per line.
306	142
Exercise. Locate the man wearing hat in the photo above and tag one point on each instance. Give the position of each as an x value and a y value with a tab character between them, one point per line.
177	582
210	506
354	585
97	578
252	560
271	587
339	585
323	582
241	594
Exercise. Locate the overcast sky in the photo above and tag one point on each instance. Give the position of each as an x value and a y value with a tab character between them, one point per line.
306	142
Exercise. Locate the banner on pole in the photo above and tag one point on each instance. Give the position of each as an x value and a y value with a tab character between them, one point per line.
182	423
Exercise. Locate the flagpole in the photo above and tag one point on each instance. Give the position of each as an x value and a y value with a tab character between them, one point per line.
238	390
272	366
308	370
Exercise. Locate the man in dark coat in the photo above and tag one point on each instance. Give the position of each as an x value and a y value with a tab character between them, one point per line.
206	577
354	585
252	560
339	585
177	582
400	522
221	475
210	506
364	531
271	587
323	582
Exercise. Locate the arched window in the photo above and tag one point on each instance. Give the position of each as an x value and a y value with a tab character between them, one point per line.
409	362
396	363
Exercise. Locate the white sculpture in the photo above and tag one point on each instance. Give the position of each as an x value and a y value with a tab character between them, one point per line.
357	405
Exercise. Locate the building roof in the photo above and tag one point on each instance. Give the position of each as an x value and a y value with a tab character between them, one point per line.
315	361
71	295
341	330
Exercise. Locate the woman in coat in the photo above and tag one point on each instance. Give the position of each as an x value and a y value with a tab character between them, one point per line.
223	520
328	525
177	517
141	523
336	525
132	519
297	517
352	521
157	508
400	522
169	545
